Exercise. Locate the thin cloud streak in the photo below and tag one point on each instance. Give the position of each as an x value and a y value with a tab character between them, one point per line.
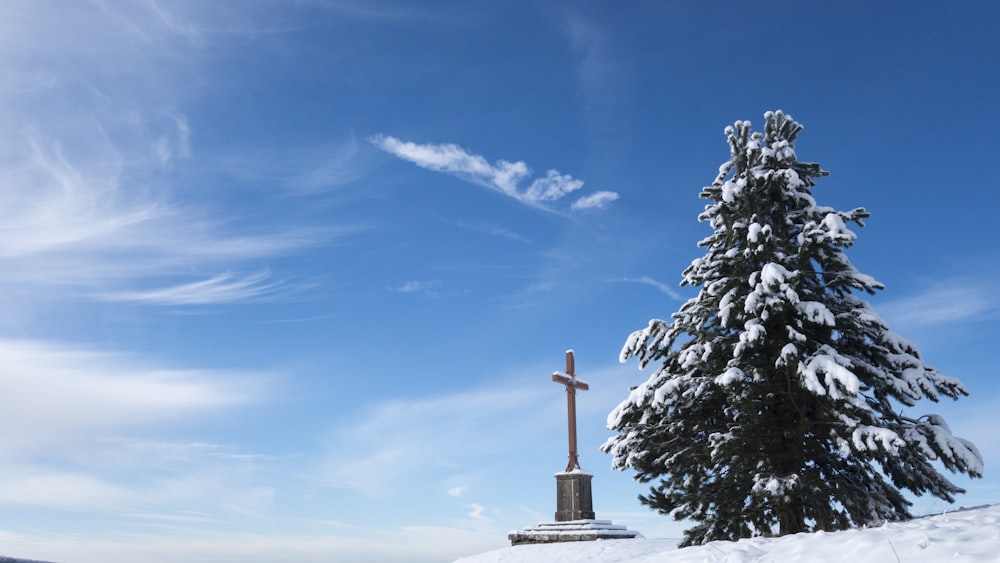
61	395
224	288
397	441
37	487
415	286
952	303
503	176
335	168
595	71
662	287
493	230
297	170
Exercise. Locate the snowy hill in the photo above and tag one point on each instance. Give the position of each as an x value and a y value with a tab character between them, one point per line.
964	535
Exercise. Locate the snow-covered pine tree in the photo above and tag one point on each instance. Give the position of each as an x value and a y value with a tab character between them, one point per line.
777	407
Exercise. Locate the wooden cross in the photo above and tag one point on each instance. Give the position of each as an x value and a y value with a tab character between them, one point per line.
572	384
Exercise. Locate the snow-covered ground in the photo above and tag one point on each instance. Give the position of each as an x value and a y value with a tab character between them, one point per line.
964	535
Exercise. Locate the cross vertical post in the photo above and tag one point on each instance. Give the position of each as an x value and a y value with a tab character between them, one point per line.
572	384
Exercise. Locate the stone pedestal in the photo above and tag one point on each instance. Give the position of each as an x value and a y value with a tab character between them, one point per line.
574	500
574	516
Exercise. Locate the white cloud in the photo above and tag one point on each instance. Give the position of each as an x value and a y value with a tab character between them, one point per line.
596	200
477	512
503	176
507	175
552	187
451	158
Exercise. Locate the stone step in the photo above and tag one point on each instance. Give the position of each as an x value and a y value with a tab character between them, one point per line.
574	530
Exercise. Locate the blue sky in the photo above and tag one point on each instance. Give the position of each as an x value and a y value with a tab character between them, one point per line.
288	280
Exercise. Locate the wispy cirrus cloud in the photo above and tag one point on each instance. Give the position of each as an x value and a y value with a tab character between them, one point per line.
73	220
601	82
415	286
959	301
296	170
104	184
503	176
492	230
398	440
662	287
59	396
82	425
223	288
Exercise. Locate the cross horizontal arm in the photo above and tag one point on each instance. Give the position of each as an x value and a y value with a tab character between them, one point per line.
570	381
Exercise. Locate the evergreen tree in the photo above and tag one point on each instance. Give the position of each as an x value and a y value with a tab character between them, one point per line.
776	408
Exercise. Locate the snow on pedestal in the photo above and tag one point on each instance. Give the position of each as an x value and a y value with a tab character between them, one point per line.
572	530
